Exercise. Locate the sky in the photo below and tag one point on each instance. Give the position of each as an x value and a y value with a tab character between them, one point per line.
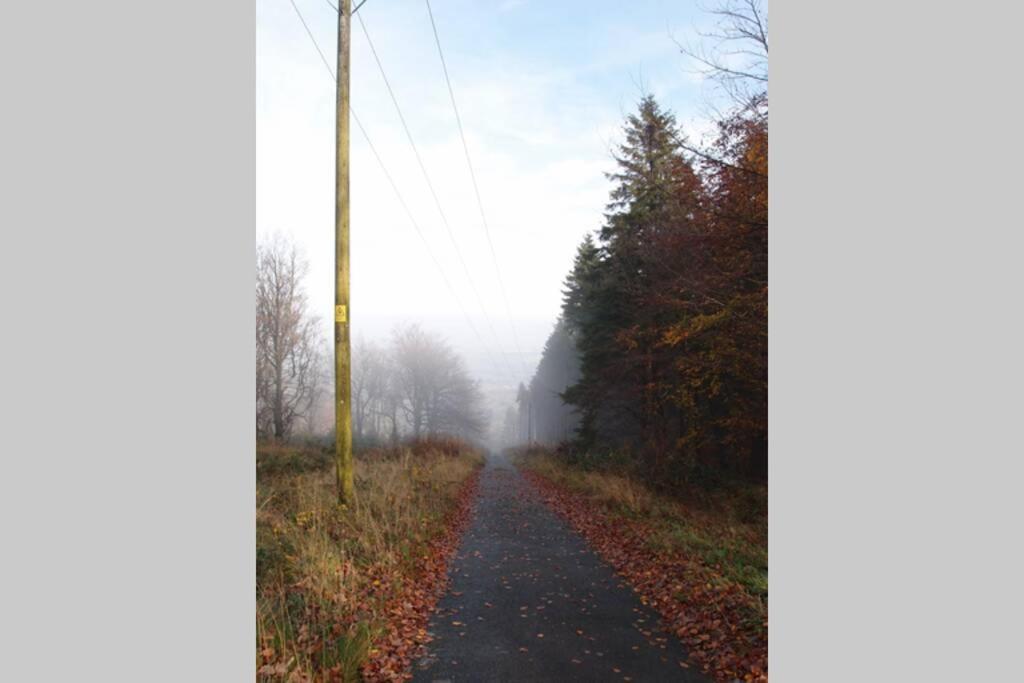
542	89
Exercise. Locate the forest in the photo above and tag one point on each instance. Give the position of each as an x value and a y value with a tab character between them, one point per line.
411	387
660	353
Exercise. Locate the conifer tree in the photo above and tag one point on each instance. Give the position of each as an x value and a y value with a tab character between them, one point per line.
667	310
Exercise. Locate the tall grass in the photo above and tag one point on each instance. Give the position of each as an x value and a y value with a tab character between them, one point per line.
726	529
325	573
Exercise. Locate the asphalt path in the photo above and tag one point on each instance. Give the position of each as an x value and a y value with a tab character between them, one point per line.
528	601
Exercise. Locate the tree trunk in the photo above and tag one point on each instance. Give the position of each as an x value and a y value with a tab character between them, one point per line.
279	426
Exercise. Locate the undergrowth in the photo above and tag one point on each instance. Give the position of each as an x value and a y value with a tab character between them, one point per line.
699	557
327	575
726	528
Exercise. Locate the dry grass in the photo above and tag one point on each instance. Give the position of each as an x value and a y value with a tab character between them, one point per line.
325	574
726	529
700	558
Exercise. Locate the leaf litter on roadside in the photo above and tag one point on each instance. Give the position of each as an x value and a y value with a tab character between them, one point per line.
711	616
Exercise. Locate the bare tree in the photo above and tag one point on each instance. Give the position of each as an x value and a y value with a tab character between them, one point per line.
360	383
455	401
433	391
319	418
735	53
289	353
371	385
411	348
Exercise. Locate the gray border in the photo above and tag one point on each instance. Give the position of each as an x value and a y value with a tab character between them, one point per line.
895	342
127	168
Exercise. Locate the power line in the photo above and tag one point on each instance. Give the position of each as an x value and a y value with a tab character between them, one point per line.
476	188
309	33
398	194
415	225
433	193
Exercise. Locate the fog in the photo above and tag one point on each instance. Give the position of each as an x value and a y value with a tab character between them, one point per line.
541	101
499	379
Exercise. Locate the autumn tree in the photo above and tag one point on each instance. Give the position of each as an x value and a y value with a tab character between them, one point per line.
614	302
667	310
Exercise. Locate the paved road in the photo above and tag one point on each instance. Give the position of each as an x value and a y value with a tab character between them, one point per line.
529	602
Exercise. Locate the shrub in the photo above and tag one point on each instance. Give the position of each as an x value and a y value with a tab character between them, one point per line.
277	459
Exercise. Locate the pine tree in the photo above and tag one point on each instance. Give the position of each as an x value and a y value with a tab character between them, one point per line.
653	183
613	298
579	285
667	310
556	420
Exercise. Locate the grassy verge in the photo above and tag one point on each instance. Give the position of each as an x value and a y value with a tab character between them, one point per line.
701	559
346	592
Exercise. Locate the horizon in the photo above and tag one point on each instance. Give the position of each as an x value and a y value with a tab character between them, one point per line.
539	156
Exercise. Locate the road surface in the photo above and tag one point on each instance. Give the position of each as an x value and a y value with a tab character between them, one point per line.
528	601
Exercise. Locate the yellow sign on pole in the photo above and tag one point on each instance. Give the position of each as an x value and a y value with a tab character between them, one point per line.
340	314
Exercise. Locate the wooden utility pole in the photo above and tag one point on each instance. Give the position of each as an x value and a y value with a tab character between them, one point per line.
342	345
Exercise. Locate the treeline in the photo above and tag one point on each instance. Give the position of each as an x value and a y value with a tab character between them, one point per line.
661	349
414	387
417	387
541	414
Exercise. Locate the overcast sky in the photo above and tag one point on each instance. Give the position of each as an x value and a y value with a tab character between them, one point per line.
542	88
